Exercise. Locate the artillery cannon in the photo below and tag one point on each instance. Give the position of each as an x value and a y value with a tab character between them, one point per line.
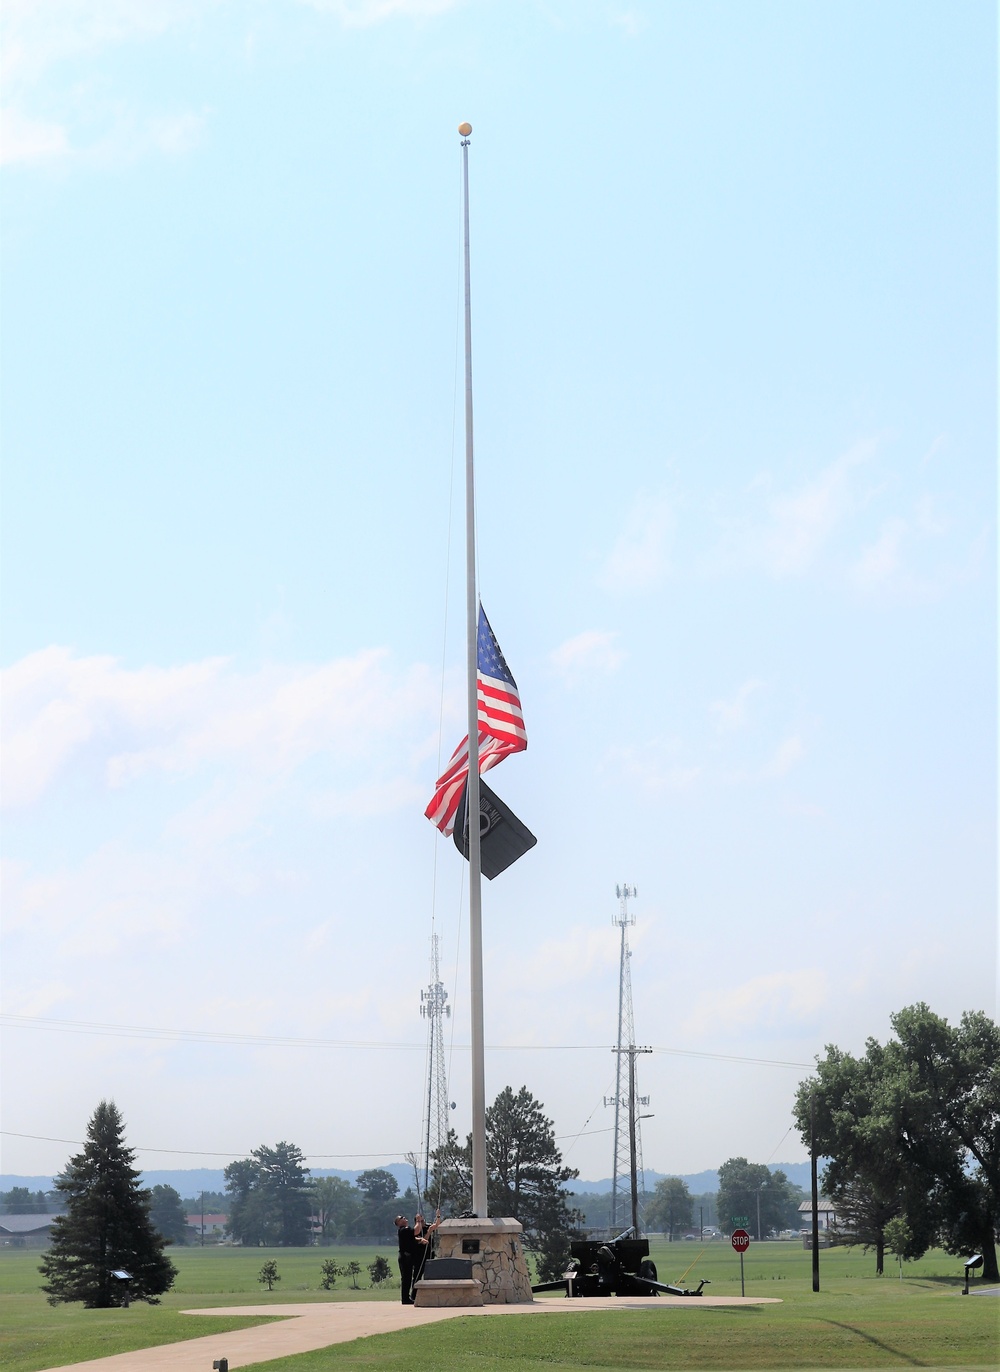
613	1267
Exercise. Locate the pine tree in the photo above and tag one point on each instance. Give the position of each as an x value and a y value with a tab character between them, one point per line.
166	1210
270	1197
525	1177
106	1227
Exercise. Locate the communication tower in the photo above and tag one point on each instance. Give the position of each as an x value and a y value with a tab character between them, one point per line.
435	1009
627	1181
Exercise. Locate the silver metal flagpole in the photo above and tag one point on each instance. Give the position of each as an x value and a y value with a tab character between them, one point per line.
479	1205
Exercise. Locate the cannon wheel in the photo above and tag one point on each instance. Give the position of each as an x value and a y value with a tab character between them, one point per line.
647	1269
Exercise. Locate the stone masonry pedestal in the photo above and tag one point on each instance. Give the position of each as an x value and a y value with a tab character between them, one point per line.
494	1248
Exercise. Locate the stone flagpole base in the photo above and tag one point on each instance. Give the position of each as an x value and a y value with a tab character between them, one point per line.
496	1252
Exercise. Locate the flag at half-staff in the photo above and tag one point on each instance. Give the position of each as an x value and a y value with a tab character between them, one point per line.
501	728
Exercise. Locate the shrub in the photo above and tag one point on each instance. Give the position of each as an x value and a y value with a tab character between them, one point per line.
330	1272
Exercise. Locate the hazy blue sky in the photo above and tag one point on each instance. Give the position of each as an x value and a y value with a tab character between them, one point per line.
734	272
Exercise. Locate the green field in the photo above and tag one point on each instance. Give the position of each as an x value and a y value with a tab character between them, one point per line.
856	1321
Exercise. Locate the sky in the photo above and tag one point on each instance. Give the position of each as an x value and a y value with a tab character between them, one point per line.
734	313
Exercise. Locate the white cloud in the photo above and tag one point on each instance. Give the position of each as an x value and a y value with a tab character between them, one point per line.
651	768
54	95
27	140
189	808
638	559
881	560
731	714
38	34
591	652
206	714
569	960
801	523
363	13
41	38
775	1001
630	21
787	755
786	532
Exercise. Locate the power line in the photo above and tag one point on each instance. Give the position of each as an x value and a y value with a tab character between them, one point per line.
238	1152
230	1039
194	1152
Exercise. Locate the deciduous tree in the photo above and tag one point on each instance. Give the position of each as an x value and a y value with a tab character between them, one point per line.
335	1206
917	1121
20	1201
107	1226
671	1207
330	1271
752	1189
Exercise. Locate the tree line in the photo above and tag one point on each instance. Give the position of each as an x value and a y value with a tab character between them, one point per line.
767	1200
113	1226
911	1131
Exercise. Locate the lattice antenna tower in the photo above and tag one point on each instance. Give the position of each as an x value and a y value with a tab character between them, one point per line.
627	1182
435	1009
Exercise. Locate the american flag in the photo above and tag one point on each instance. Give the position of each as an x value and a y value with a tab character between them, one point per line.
501	728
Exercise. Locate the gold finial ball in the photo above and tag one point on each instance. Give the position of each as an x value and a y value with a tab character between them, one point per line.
465	130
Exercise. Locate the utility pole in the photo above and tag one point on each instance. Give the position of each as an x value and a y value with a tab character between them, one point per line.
435	1009
628	1144
815	1192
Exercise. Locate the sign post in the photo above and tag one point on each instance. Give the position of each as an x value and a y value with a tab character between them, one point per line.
741	1242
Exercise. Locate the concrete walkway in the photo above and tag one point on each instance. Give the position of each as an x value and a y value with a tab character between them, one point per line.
319	1325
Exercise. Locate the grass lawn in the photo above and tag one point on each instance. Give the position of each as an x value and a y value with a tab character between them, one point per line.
856	1321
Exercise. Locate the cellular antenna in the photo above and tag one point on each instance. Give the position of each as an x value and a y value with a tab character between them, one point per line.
627	1175
435	1009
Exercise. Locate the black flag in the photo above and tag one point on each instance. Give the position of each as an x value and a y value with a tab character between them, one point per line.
502	836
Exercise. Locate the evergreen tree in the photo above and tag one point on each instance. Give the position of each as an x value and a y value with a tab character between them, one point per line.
166	1210
106	1227
271	1199
381	1200
525	1177
212	1202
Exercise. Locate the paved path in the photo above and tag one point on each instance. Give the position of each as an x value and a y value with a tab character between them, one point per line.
319	1325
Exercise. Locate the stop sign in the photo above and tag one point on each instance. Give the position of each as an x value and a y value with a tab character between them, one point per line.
741	1240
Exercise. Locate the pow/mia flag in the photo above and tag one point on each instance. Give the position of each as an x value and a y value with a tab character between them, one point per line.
502	836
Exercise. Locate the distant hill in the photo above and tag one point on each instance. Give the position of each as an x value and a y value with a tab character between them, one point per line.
189	1181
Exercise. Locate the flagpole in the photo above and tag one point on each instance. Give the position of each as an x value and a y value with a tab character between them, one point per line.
479	1204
